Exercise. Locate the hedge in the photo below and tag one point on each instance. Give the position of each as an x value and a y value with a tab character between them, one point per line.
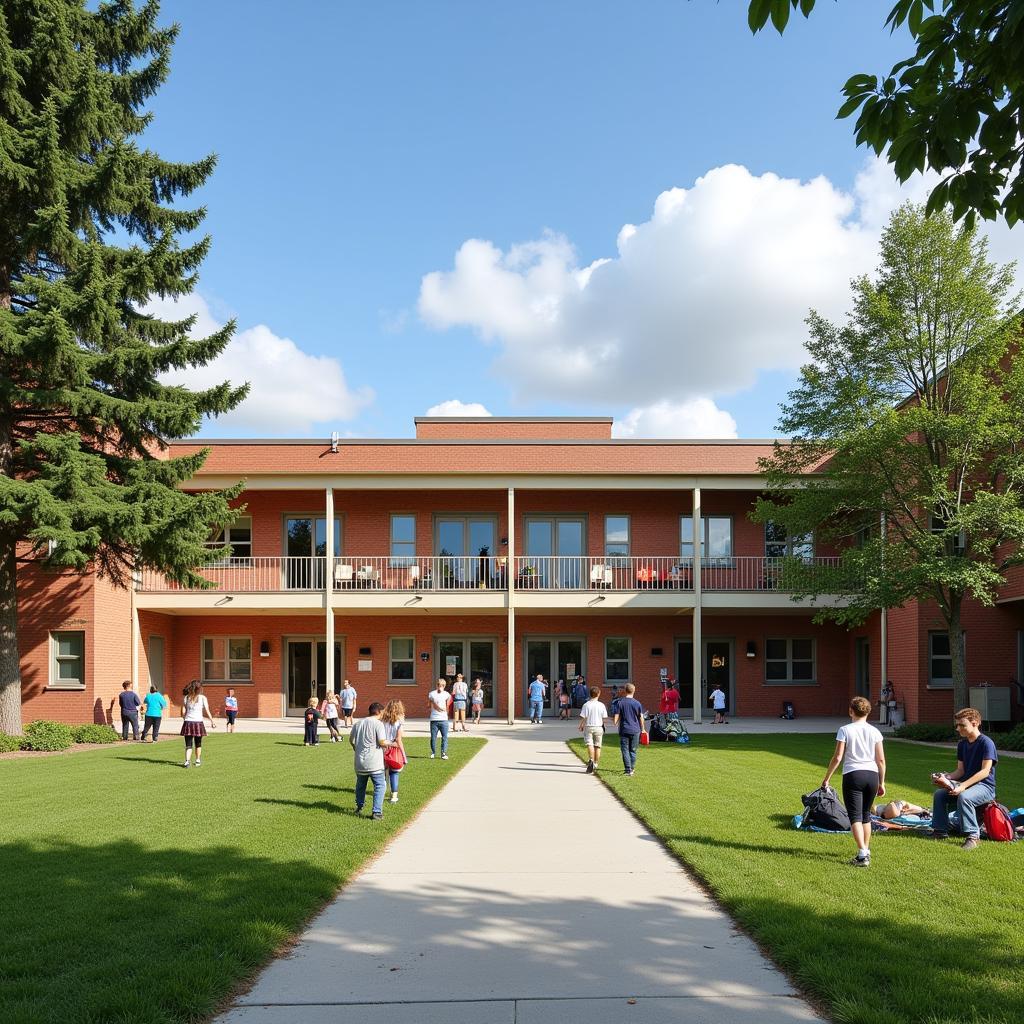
92	733
42	735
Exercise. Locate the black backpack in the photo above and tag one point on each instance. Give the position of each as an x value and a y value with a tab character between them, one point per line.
823	809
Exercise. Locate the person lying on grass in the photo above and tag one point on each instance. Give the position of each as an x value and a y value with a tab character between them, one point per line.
859	747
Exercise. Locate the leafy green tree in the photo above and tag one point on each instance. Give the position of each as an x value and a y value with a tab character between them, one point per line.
913	410
88	234
956	106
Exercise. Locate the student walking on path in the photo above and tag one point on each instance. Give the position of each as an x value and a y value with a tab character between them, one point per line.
537	691
393	717
476	700
369	741
859	746
460	696
629	717
438	701
154	704
593	715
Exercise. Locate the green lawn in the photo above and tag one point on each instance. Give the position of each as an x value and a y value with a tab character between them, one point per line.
136	891
927	934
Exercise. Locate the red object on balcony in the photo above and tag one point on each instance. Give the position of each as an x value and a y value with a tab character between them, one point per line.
646	576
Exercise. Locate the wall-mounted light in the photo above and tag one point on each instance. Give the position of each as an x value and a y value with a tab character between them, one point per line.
364	651
504	540
596	600
264	648
424	655
751	648
223	601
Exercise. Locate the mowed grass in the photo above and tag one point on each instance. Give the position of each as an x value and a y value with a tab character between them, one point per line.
927	934
135	891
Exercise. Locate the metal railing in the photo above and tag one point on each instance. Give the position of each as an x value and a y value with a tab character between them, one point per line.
413	573
610	572
750	574
248	576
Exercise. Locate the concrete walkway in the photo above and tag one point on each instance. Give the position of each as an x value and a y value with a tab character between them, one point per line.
524	893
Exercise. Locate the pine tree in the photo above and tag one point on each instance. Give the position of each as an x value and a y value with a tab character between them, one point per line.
88	234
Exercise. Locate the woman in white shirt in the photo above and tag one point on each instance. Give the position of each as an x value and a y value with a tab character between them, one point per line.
859	747
194	706
329	709
460	697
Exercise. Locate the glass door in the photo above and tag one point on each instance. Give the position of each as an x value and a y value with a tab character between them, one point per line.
455	654
306	671
466	543
305	540
555	549
717	663
555	658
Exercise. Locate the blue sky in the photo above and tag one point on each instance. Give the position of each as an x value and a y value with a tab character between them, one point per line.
364	147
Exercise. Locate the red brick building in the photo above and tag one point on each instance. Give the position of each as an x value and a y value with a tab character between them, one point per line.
496	547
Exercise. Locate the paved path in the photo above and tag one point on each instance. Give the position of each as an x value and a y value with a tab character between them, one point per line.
523	894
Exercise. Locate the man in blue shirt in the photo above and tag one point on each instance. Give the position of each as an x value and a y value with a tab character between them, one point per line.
129	701
971	785
629	717
537	692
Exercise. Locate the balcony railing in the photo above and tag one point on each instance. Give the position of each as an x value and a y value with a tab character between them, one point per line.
452	573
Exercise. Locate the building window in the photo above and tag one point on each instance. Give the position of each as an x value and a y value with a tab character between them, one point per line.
716	546
940	660
938	527
403	540
227	659
238	535
67	660
616	659
616	539
789	660
779	544
403	660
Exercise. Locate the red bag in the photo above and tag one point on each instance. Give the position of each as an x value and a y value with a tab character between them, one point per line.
394	759
645	739
997	823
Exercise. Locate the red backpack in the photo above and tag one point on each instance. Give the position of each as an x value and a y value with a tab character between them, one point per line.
998	823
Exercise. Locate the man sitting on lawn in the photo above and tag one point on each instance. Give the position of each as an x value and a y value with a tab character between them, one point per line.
974	779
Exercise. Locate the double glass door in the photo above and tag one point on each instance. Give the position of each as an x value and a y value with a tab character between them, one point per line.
466	546
305	545
555	547
717	664
472	657
306	671
555	658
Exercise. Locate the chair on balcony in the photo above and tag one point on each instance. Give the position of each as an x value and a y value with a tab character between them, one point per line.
367	576
343	574
600	575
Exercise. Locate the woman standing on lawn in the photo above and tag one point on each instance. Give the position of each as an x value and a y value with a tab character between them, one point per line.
393	718
329	709
194	706
859	747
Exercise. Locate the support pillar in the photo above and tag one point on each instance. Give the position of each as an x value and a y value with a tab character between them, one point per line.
698	660
510	578
329	589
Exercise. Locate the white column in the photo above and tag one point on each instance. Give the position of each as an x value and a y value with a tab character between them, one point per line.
510	580
329	589
698	661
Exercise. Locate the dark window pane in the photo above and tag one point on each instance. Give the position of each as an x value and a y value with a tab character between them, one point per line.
616	647
775	649
803	670
401	670
617	671
774	670
803	649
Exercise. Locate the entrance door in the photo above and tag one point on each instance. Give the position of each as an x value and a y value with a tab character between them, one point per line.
453	655
467	544
305	541
862	666
555	548
155	658
717	663
555	658
306	671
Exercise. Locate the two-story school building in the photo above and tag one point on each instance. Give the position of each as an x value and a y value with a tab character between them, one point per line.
498	548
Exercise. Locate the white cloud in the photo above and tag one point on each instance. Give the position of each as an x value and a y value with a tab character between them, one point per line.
453	407
698	417
290	390
700	298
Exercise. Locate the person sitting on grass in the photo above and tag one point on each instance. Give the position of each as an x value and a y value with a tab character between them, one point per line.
973	782
592	719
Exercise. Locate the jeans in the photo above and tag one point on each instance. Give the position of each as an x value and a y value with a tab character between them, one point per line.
154	724
628	744
132	720
536	710
442	728
393	774
967	804
378	791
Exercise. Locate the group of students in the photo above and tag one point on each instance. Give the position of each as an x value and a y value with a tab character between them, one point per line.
334	708
861	751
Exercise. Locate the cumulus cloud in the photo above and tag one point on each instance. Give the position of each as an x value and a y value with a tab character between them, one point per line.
696	301
453	407
699	417
290	390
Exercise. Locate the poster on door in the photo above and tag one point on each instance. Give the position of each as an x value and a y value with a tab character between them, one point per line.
570	670
449	665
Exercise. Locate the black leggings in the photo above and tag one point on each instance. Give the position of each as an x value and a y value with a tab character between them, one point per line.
197	740
859	789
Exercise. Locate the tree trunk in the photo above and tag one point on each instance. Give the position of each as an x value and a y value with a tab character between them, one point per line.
10	660
956	650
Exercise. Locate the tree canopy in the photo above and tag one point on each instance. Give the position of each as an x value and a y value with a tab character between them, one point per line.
912	410
89	233
956	105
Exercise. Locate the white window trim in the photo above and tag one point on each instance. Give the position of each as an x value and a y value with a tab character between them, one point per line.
402	559
618	661
790	543
55	682
225	538
726	561
392	681
789	680
619	558
943	684
227	659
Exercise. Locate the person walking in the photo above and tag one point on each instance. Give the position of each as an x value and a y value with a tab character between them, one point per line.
329	710
579	693
129	702
718	702
860	748
369	741
311	718
629	717
537	691
393	717
563	700
460	697
476	700
438	702
592	718
348	698
194	707
230	709
154	704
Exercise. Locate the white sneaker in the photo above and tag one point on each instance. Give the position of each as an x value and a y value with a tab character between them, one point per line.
187	764
198	762
394	798
444	757
431	757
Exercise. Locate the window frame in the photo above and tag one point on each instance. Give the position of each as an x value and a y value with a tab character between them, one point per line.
789	661
627	661
942	682
618	559
937	526
712	561
401	560
411	660
790	544
227	660
224	537
55	682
